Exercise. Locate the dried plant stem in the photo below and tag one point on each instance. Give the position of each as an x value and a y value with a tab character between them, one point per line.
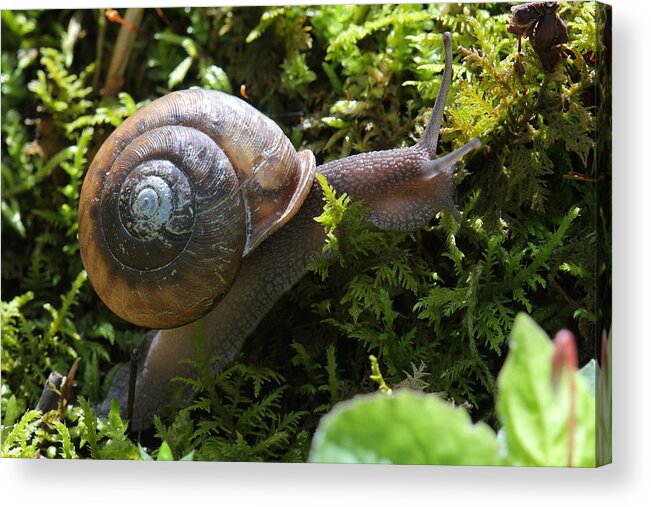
99	53
122	52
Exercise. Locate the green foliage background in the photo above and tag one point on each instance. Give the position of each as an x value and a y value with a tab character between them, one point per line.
435	306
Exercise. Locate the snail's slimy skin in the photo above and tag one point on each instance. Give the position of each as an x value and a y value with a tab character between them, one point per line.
402	189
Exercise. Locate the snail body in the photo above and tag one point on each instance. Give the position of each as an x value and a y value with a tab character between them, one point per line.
275	240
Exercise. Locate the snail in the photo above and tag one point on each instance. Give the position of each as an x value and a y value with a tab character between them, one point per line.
197	213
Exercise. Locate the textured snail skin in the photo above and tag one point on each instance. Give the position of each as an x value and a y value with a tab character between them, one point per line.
403	189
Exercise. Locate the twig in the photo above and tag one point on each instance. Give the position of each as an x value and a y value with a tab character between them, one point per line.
99	54
122	50
555	285
66	389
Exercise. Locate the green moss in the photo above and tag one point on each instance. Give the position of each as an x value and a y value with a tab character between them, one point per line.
437	303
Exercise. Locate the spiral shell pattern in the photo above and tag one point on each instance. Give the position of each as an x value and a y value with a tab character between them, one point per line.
174	199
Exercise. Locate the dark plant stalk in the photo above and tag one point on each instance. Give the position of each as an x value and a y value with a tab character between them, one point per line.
133	375
99	54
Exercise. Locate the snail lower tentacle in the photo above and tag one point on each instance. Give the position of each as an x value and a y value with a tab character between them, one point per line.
402	189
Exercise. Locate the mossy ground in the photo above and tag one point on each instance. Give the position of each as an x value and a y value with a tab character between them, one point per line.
435	306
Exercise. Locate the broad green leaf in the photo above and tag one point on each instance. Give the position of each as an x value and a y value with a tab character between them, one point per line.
533	414
406	428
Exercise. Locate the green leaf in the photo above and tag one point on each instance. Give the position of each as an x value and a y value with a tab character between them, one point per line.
334	122
215	78
178	74
19	23
14	444
89	427
533	414
144	455
67	447
11	213
266	21
406	428
297	75
165	453
10	412
188	457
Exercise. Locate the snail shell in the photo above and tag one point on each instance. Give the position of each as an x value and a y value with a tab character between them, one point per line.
177	195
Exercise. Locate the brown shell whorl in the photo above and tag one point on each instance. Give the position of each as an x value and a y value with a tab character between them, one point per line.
177	196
